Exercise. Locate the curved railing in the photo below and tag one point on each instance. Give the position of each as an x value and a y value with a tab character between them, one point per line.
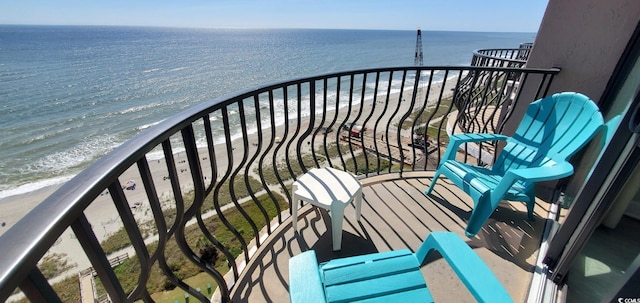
235	157
502	57
479	89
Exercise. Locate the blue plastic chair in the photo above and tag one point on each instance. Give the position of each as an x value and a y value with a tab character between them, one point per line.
392	276
552	130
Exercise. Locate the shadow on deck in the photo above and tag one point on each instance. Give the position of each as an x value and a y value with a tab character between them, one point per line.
396	214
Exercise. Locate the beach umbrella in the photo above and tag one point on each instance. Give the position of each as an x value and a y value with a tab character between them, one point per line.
130	185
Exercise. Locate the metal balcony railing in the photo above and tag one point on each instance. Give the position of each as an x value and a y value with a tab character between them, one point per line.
482	88
503	57
239	154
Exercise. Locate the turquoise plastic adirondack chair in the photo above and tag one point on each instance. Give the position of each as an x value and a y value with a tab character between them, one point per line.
392	276
552	130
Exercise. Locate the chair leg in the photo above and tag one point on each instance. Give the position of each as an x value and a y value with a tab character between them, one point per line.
530	205
481	212
358	202
337	217
294	212
433	183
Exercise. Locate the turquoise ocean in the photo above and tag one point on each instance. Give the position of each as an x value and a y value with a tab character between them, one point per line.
71	94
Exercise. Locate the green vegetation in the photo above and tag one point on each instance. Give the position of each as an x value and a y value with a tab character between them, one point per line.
201	280
361	161
333	152
269	173
181	267
120	239
68	290
421	116
159	285
433	132
54	264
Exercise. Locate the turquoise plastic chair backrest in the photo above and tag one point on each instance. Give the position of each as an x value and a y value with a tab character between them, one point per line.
555	127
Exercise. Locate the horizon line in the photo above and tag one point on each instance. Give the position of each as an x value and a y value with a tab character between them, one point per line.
259	28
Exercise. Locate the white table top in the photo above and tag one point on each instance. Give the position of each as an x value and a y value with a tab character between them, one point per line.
326	185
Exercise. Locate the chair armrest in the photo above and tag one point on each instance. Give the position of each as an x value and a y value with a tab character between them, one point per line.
471	270
543	173
456	140
559	170
304	279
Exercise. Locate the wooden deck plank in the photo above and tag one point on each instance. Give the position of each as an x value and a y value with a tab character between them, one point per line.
396	215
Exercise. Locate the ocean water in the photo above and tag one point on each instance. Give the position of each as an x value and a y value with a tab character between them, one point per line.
71	94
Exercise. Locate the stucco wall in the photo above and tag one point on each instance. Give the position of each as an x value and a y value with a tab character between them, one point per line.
584	38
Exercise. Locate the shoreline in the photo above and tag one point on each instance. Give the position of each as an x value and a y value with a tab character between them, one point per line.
102	214
55	182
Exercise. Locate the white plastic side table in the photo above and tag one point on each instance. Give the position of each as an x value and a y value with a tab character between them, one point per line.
332	190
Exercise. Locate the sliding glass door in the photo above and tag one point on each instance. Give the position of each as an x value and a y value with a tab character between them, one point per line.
595	251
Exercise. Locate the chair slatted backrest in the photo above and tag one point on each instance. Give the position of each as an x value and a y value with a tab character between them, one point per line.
555	127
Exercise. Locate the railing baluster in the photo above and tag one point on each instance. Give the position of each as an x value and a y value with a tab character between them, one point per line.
234	174
346	120
296	134
222	284
87	239
180	213
361	129
296	131
323	115
131	227
374	100
161	226
414	94
476	88
279	145
196	207
398	129
266	153
175	184
211	150
334	123
249	165
385	132
343	122
418	119
37	289
216	197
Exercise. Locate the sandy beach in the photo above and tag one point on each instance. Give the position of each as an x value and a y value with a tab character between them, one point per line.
103	215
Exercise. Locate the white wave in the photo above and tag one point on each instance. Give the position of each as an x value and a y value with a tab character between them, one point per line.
155	155
151	70
50	133
75	156
145	126
139	108
33	186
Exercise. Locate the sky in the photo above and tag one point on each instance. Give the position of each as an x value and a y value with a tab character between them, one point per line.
456	15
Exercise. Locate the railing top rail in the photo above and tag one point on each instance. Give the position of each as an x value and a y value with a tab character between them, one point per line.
29	239
495	54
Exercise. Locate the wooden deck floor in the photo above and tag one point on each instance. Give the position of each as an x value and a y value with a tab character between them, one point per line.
396	214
